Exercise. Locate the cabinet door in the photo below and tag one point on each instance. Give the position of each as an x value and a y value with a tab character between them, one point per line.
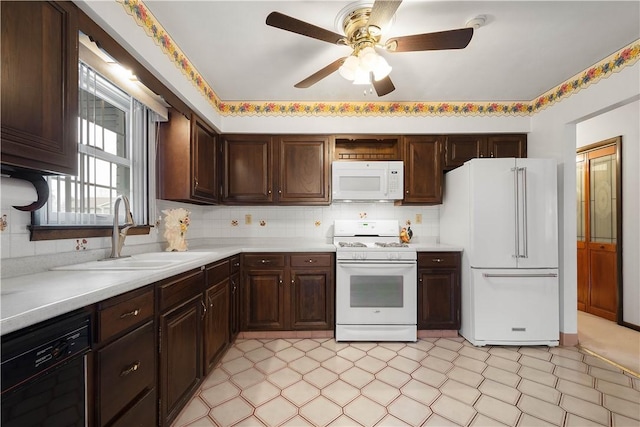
461	148
203	162
264	301
311	300
438	299
423	169
40	109
216	323
180	356
234	307
248	165
507	146
304	170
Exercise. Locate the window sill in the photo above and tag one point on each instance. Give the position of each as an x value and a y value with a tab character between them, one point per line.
52	232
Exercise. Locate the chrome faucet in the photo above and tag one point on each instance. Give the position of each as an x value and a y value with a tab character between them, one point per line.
118	236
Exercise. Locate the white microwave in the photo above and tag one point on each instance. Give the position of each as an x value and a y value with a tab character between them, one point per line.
367	180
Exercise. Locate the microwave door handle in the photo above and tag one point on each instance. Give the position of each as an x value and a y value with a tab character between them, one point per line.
385	182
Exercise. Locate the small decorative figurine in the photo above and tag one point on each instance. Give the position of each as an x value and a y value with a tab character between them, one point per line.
404	236
176	223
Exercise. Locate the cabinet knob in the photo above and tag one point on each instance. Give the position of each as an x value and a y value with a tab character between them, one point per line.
279	191
437	260
293	281
269	192
195	182
311	260
407	191
265	261
491	154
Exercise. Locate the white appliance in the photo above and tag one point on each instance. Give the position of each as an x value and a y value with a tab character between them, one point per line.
376	282
367	180
503	212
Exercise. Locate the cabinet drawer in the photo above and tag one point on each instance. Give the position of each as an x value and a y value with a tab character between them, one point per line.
125	313
126	368
216	273
311	260
142	414
263	260
438	259
177	289
235	264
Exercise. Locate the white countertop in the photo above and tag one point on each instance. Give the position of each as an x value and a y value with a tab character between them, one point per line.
32	298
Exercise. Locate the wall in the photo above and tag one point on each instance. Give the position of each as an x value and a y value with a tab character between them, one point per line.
623	121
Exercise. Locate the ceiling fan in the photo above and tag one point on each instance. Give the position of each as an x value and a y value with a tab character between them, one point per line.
363	26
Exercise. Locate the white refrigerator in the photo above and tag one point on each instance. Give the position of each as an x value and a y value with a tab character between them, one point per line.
503	212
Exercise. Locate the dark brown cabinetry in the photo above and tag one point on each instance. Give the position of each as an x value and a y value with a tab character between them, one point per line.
439	290
288	292
216	316
187	168
234	298
125	360
460	148
265	169
423	169
181	305
40	109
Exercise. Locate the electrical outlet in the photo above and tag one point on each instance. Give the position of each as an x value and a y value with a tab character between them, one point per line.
418	218
247	219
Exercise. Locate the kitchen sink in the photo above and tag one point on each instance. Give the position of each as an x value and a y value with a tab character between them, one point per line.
146	261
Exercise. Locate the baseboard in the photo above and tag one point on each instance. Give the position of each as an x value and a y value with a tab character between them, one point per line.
248	335
568	340
437	333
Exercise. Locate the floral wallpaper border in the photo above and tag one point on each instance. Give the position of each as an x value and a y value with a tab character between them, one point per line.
626	56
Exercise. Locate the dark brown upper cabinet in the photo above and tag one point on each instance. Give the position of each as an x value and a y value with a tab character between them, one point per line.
40	86
266	169
187	160
423	169
460	148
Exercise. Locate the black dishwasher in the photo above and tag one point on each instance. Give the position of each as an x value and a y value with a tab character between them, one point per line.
43	373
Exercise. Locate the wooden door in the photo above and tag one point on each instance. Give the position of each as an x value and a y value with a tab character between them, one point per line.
264	300
581	215
203	160
234	306
248	169
461	148
423	169
216	323
599	215
304	170
311	299
438	299
506	146
180	356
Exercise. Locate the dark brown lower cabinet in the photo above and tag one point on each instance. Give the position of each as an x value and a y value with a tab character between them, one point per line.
181	315
216	316
234	299
439	290
288	291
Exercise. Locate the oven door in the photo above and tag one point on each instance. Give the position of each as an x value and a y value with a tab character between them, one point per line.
376	293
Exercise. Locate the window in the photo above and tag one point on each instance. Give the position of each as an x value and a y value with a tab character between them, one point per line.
113	152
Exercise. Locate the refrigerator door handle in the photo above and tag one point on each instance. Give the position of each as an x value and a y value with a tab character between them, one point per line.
525	233
515	194
520	275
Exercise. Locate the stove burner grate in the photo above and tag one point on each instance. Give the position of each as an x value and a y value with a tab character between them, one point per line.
352	245
391	245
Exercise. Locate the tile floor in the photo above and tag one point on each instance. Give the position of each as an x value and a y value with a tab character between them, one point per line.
433	382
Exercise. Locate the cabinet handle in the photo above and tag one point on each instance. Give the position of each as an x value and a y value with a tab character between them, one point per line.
311	260
265	261
204	308
130	313
195	181
210	303
279	191
236	264
407	191
436	259
481	155
130	369
269	192
492	154
280	281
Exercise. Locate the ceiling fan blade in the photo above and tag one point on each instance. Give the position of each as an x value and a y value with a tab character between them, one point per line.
321	74
383	86
451	39
284	22
382	12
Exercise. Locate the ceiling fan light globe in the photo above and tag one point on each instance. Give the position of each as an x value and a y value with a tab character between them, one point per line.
349	67
362	77
368	58
382	69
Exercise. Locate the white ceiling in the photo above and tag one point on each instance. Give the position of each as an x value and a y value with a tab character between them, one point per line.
524	49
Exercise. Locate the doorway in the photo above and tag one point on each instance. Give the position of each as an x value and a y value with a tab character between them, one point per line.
599	221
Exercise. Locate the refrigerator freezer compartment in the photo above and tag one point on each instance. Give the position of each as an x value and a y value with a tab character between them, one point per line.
512	307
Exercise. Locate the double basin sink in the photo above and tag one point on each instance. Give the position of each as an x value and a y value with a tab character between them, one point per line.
146	261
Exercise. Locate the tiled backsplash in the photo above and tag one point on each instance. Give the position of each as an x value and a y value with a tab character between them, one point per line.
216	221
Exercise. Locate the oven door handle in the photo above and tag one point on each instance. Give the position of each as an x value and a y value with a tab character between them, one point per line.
376	263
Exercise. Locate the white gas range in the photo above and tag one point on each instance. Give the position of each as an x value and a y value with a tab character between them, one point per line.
376	282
